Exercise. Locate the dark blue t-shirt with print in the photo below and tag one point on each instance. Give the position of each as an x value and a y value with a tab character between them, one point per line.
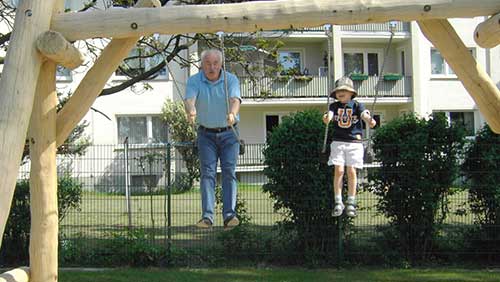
347	124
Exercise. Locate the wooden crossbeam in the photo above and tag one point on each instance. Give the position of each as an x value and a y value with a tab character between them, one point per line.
94	81
15	275
56	48
477	82
487	34
260	15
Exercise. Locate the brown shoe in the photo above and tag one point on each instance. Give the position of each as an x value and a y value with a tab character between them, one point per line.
204	223
231	222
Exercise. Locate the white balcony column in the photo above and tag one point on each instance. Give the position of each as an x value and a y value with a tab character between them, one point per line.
420	56
338	64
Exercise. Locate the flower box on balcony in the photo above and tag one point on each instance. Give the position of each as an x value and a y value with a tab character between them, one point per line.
358	76
305	78
392	76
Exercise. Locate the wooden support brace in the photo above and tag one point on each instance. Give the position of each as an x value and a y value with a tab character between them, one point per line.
487	34
260	15
56	48
92	84
15	275
477	82
17	92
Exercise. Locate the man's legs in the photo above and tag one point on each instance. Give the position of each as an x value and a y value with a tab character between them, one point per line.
207	152
229	150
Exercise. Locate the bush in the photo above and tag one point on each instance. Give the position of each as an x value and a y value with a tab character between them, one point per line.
419	162
15	246
128	248
482	170
300	182
183	132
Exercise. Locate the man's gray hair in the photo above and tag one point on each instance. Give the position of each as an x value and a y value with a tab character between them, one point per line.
207	52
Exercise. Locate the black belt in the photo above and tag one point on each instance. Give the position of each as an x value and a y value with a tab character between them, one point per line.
216	129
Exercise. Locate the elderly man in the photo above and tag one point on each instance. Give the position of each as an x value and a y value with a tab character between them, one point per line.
206	102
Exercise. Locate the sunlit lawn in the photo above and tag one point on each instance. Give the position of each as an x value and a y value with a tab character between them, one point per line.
280	275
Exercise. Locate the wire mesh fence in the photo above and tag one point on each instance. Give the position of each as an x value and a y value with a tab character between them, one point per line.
146	188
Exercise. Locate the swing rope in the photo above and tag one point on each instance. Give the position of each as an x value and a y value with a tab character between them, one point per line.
369	154
329	81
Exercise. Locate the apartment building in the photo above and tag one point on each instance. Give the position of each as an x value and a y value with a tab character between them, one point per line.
416	79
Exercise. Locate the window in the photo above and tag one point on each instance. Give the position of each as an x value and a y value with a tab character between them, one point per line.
272	120
439	65
402	65
465	119
361	62
139	61
142	129
63	74
291	62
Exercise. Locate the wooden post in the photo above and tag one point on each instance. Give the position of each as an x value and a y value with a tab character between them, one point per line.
56	48
43	178
260	15
43	174
15	275
95	79
477	82
487	34
17	89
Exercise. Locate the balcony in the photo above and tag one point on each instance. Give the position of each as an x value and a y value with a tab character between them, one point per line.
395	88
376	27
316	87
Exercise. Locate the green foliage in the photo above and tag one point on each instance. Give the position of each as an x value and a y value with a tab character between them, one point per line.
128	248
300	182
185	134
482	169
419	162
16	238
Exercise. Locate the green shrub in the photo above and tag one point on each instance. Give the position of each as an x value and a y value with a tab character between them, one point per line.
482	170
300	182
15	246
419	162
183	132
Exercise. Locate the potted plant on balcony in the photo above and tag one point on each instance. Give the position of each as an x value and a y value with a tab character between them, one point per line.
392	76
305	78
358	76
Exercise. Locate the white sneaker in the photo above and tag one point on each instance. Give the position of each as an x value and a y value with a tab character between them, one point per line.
338	209
351	209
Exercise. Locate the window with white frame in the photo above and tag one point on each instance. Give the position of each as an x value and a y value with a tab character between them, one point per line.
140	60
361	62
142	129
465	119
439	67
63	74
272	121
291	62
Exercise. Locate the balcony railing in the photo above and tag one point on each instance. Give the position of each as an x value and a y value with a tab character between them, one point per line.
396	88
377	27
317	86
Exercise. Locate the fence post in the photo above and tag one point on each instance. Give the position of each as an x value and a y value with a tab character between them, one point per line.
127	185
340	251
169	200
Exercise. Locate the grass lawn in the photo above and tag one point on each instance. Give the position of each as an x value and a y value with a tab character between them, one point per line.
280	275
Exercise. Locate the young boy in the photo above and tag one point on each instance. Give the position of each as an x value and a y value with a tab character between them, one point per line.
347	146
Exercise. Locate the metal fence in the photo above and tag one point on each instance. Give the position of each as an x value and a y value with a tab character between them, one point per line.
140	187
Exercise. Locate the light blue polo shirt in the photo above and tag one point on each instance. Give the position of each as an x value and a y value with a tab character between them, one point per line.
211	107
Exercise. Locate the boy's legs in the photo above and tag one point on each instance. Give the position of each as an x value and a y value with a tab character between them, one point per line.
354	159
337	190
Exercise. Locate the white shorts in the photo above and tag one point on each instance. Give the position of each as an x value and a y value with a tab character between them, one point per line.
346	154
